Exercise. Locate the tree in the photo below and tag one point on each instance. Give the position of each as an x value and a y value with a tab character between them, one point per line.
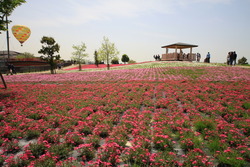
107	51
115	60
125	58
79	55
242	61
25	55
96	58
6	8
49	48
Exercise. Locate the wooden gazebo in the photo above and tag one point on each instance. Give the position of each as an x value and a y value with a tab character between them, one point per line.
178	55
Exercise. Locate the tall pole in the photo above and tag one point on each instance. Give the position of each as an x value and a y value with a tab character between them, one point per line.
7	34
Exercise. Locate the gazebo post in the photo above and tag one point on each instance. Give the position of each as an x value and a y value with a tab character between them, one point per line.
175	52
190	54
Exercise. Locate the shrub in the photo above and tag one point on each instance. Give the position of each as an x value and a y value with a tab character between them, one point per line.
37	149
115	61
246	106
11	146
73	139
45	161
2	159
230	158
94	140
35	116
216	145
32	134
51	136
86	151
163	142
70	163
18	162
242	61
60	150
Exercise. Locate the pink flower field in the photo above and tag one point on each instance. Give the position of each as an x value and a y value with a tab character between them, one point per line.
140	117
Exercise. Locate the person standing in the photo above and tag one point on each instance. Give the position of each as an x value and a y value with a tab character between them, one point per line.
208	57
234	58
198	57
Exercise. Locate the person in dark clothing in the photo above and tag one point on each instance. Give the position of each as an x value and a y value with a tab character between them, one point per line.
198	57
208	58
228	58
13	69
234	58
9	69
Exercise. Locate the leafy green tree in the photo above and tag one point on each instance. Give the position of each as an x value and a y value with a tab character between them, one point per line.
125	58
6	8
115	60
107	51
242	61
49	48
25	55
79	55
96	58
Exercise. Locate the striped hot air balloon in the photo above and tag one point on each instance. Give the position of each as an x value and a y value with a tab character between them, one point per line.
21	33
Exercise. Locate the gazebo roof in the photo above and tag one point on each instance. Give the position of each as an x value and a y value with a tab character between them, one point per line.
179	45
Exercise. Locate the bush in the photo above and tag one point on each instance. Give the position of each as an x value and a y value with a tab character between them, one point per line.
246	106
45	161
2	159
86	151
115	61
37	149
230	158
131	61
61	150
242	61
32	134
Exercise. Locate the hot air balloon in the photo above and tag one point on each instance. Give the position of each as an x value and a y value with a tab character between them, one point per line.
21	33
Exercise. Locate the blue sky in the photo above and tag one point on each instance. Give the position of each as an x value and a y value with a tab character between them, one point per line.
137	27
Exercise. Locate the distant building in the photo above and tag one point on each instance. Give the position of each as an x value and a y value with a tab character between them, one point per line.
4	55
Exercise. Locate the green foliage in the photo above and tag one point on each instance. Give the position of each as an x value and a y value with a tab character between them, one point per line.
231	158
18	162
115	61
107	51
203	125
131	61
192	73
45	161
37	149
215	145
7	7
246	106
2	159
60	150
97	61
32	134
242	61
78	54
71	163
49	48
25	55
125	58
35	116
87	153
14	134
94	140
